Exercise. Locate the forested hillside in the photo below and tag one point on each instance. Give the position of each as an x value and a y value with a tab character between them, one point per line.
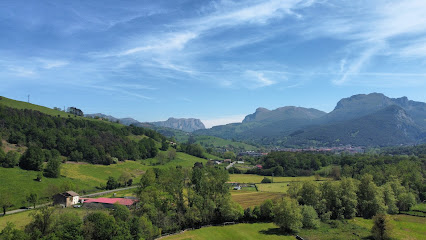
76	138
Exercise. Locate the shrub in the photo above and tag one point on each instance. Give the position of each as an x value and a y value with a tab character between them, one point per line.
266	180
288	215
310	217
382	228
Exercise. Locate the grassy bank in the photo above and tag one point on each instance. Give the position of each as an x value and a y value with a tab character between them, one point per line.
406	227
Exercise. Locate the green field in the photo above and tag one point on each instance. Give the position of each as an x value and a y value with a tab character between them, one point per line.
252	178
250	199
182	159
23	218
83	177
406	227
215	142
273	187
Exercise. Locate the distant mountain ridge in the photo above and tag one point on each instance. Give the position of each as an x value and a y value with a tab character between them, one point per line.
184	124
364	120
124	121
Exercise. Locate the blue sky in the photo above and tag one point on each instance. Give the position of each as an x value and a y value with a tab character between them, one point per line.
213	60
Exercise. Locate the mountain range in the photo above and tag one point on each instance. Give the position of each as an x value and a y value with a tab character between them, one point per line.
184	124
362	120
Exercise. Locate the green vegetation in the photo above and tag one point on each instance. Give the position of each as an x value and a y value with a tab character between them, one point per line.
220	143
24	105
251	199
405	227
79	177
251	178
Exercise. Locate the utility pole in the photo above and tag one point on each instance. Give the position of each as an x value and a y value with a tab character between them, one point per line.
28	98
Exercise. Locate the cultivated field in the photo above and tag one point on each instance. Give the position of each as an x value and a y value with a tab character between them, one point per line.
250	199
273	187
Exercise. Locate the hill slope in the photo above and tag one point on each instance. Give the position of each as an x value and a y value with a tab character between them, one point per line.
266	123
364	119
386	127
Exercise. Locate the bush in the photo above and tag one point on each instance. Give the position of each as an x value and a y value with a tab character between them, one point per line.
10	160
266	180
382	228
288	215
310	217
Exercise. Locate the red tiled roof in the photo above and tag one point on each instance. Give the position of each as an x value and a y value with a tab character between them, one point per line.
122	201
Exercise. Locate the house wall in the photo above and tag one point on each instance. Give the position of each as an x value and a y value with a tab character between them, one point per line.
75	200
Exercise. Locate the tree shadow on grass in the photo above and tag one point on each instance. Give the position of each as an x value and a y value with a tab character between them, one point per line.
275	231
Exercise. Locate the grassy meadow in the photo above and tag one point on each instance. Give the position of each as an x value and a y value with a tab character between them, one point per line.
23	218
83	177
250	199
215	142
252	178
405	227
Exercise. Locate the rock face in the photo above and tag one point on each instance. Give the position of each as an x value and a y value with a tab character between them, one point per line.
184	124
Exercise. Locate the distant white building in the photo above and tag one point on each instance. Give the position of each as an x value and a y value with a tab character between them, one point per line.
240	162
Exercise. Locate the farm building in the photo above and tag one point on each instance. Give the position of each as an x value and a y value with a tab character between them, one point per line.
66	199
107	202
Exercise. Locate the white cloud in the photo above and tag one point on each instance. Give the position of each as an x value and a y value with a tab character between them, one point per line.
211	122
175	41
373	28
49	64
258	79
356	64
22	71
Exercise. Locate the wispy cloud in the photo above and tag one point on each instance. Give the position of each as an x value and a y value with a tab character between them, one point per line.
172	42
192	39
22	71
49	64
373	28
259	79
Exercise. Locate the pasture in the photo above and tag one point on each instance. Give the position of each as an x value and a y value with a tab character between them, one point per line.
82	177
252	178
406	227
23	218
250	199
281	187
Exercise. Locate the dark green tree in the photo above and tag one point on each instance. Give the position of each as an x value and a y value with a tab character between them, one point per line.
10	160
288	215
382	228
99	226
32	199
32	159
53	167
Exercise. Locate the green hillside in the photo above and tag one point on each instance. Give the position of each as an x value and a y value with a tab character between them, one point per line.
216	142
25	105
80	177
406	227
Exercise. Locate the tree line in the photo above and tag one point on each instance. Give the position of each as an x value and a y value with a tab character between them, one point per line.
409	169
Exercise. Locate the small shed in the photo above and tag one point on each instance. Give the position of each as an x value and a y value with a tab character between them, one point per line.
66	199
